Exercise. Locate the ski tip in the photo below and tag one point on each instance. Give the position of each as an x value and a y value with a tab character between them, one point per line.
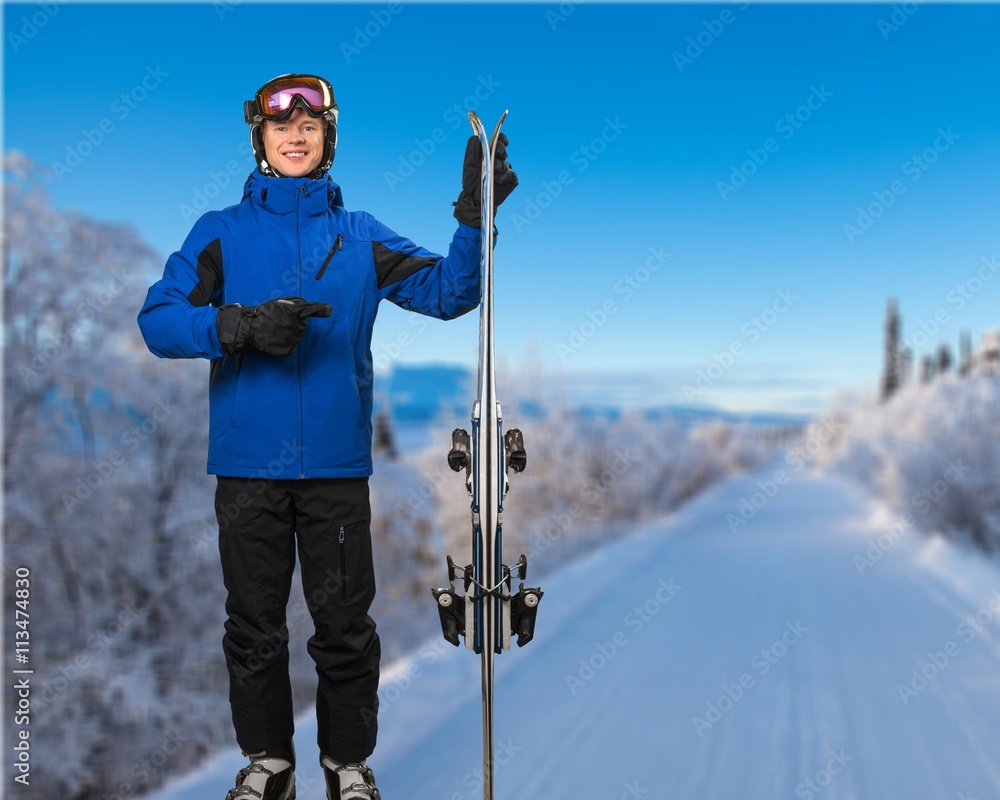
496	131
477	124
478	129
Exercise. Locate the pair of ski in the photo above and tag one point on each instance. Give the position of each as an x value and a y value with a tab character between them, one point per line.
486	615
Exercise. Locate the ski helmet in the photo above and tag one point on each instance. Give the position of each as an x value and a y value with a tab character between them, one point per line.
277	99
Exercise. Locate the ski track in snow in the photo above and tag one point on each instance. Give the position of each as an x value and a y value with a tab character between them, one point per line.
602	703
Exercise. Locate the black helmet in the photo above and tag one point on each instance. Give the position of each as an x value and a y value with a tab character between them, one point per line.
277	99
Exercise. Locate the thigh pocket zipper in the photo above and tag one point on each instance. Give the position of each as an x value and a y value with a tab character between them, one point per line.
343	565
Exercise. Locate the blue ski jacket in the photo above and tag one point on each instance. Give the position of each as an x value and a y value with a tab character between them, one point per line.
307	415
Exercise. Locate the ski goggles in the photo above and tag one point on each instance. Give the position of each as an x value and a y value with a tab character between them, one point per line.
277	99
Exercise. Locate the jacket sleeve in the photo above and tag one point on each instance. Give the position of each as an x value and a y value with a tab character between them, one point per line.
178	318
418	280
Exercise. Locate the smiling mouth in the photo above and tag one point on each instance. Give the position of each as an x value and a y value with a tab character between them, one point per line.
295	154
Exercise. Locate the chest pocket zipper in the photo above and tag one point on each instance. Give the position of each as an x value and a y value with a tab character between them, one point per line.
337	245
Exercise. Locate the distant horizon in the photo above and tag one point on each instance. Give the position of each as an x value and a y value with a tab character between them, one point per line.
609	390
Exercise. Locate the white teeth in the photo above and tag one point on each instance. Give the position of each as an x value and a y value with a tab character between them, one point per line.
294	155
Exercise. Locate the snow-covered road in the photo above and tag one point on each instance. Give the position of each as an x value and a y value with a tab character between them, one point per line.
822	650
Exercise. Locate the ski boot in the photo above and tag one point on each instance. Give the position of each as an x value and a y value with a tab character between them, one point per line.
270	775
348	781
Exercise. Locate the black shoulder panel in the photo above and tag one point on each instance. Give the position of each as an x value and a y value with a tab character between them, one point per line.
392	267
209	274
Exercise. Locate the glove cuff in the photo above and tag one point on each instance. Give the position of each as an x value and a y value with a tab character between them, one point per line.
468	212
234	324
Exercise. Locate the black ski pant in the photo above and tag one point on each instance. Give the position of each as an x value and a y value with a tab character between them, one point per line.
261	525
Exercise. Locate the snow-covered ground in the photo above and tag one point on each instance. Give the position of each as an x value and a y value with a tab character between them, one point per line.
823	650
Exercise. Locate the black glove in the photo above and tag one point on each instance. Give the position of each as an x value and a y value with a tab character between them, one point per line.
468	207
274	327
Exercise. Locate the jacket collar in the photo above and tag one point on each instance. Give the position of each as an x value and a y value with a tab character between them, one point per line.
308	196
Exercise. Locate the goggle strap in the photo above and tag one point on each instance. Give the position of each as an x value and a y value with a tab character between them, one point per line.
251	112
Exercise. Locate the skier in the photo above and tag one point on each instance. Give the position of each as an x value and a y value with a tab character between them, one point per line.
280	291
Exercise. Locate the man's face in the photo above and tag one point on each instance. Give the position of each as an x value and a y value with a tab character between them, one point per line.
295	147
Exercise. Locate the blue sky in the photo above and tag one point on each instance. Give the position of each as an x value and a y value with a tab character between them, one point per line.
691	175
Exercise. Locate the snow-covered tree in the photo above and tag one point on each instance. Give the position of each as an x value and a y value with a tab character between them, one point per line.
932	452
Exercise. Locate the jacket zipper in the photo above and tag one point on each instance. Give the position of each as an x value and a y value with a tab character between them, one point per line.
298	351
343	565
337	245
